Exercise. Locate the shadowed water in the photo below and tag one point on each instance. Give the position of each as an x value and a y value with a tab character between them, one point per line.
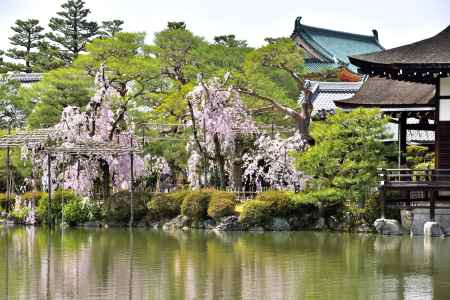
141	264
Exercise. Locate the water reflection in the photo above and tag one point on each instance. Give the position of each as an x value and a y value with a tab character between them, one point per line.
139	264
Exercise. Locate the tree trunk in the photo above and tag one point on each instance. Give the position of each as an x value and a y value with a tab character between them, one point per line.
220	160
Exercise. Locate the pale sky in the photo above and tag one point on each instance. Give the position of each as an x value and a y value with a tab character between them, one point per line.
397	21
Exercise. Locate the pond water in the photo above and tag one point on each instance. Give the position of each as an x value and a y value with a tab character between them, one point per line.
36	263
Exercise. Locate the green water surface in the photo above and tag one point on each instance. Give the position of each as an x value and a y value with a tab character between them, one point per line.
36	263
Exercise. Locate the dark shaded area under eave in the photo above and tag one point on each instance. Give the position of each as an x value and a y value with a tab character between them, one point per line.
386	93
430	54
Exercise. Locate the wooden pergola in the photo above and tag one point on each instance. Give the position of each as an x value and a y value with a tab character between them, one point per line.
423	62
41	138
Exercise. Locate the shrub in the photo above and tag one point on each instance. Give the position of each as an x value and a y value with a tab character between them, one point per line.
75	213
119	206
326	196
221	204
195	205
279	202
255	212
166	205
28	196
56	210
19	215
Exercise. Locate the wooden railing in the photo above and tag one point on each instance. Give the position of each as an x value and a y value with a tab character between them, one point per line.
410	177
431	183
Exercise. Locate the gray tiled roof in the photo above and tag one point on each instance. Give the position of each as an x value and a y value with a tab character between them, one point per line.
26	79
325	93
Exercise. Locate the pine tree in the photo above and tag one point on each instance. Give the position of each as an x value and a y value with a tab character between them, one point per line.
110	28
28	37
71	31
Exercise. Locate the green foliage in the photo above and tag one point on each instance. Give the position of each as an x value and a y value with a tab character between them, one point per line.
56	205
119	206
256	212
178	51
27	36
279	202
327	196
110	28
195	205
349	148
221	204
29	196
75	212
19	214
59	88
126	62
419	157
71	30
166	205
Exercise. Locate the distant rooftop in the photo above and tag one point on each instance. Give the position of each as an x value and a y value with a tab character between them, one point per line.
26	79
327	48
327	94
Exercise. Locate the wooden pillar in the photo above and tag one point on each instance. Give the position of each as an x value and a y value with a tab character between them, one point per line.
8	172
432	205
131	186
402	137
49	178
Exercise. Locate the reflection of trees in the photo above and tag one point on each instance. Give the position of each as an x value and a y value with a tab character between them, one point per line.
142	264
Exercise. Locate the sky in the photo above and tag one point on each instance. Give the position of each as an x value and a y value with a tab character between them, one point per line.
398	21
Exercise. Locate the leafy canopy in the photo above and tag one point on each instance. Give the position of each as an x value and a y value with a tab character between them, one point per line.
349	149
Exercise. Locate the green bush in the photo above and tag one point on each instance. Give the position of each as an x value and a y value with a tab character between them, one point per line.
326	196
119	206
255	212
28	196
19	215
195	205
166	205
75	213
279	202
221	204
56	205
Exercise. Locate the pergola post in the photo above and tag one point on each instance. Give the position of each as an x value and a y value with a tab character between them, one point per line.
131	185
8	172
49	178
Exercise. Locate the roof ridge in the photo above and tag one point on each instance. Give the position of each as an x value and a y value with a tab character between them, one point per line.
341	32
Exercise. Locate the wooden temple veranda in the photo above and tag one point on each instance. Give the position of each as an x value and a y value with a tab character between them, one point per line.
412	81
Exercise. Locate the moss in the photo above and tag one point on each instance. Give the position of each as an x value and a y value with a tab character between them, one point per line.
195	205
255	212
221	204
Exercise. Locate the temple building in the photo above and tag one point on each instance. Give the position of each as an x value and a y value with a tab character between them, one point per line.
328	49
422	69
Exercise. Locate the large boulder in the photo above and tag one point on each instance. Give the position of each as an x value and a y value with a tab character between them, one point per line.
280	224
230	223
432	229
177	223
388	227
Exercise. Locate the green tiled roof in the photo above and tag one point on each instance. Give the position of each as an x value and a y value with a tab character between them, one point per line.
336	46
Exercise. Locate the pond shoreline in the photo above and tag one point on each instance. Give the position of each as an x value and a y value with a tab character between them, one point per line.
228	223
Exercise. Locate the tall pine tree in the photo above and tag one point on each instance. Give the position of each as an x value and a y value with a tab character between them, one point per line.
27	37
71	30
110	28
